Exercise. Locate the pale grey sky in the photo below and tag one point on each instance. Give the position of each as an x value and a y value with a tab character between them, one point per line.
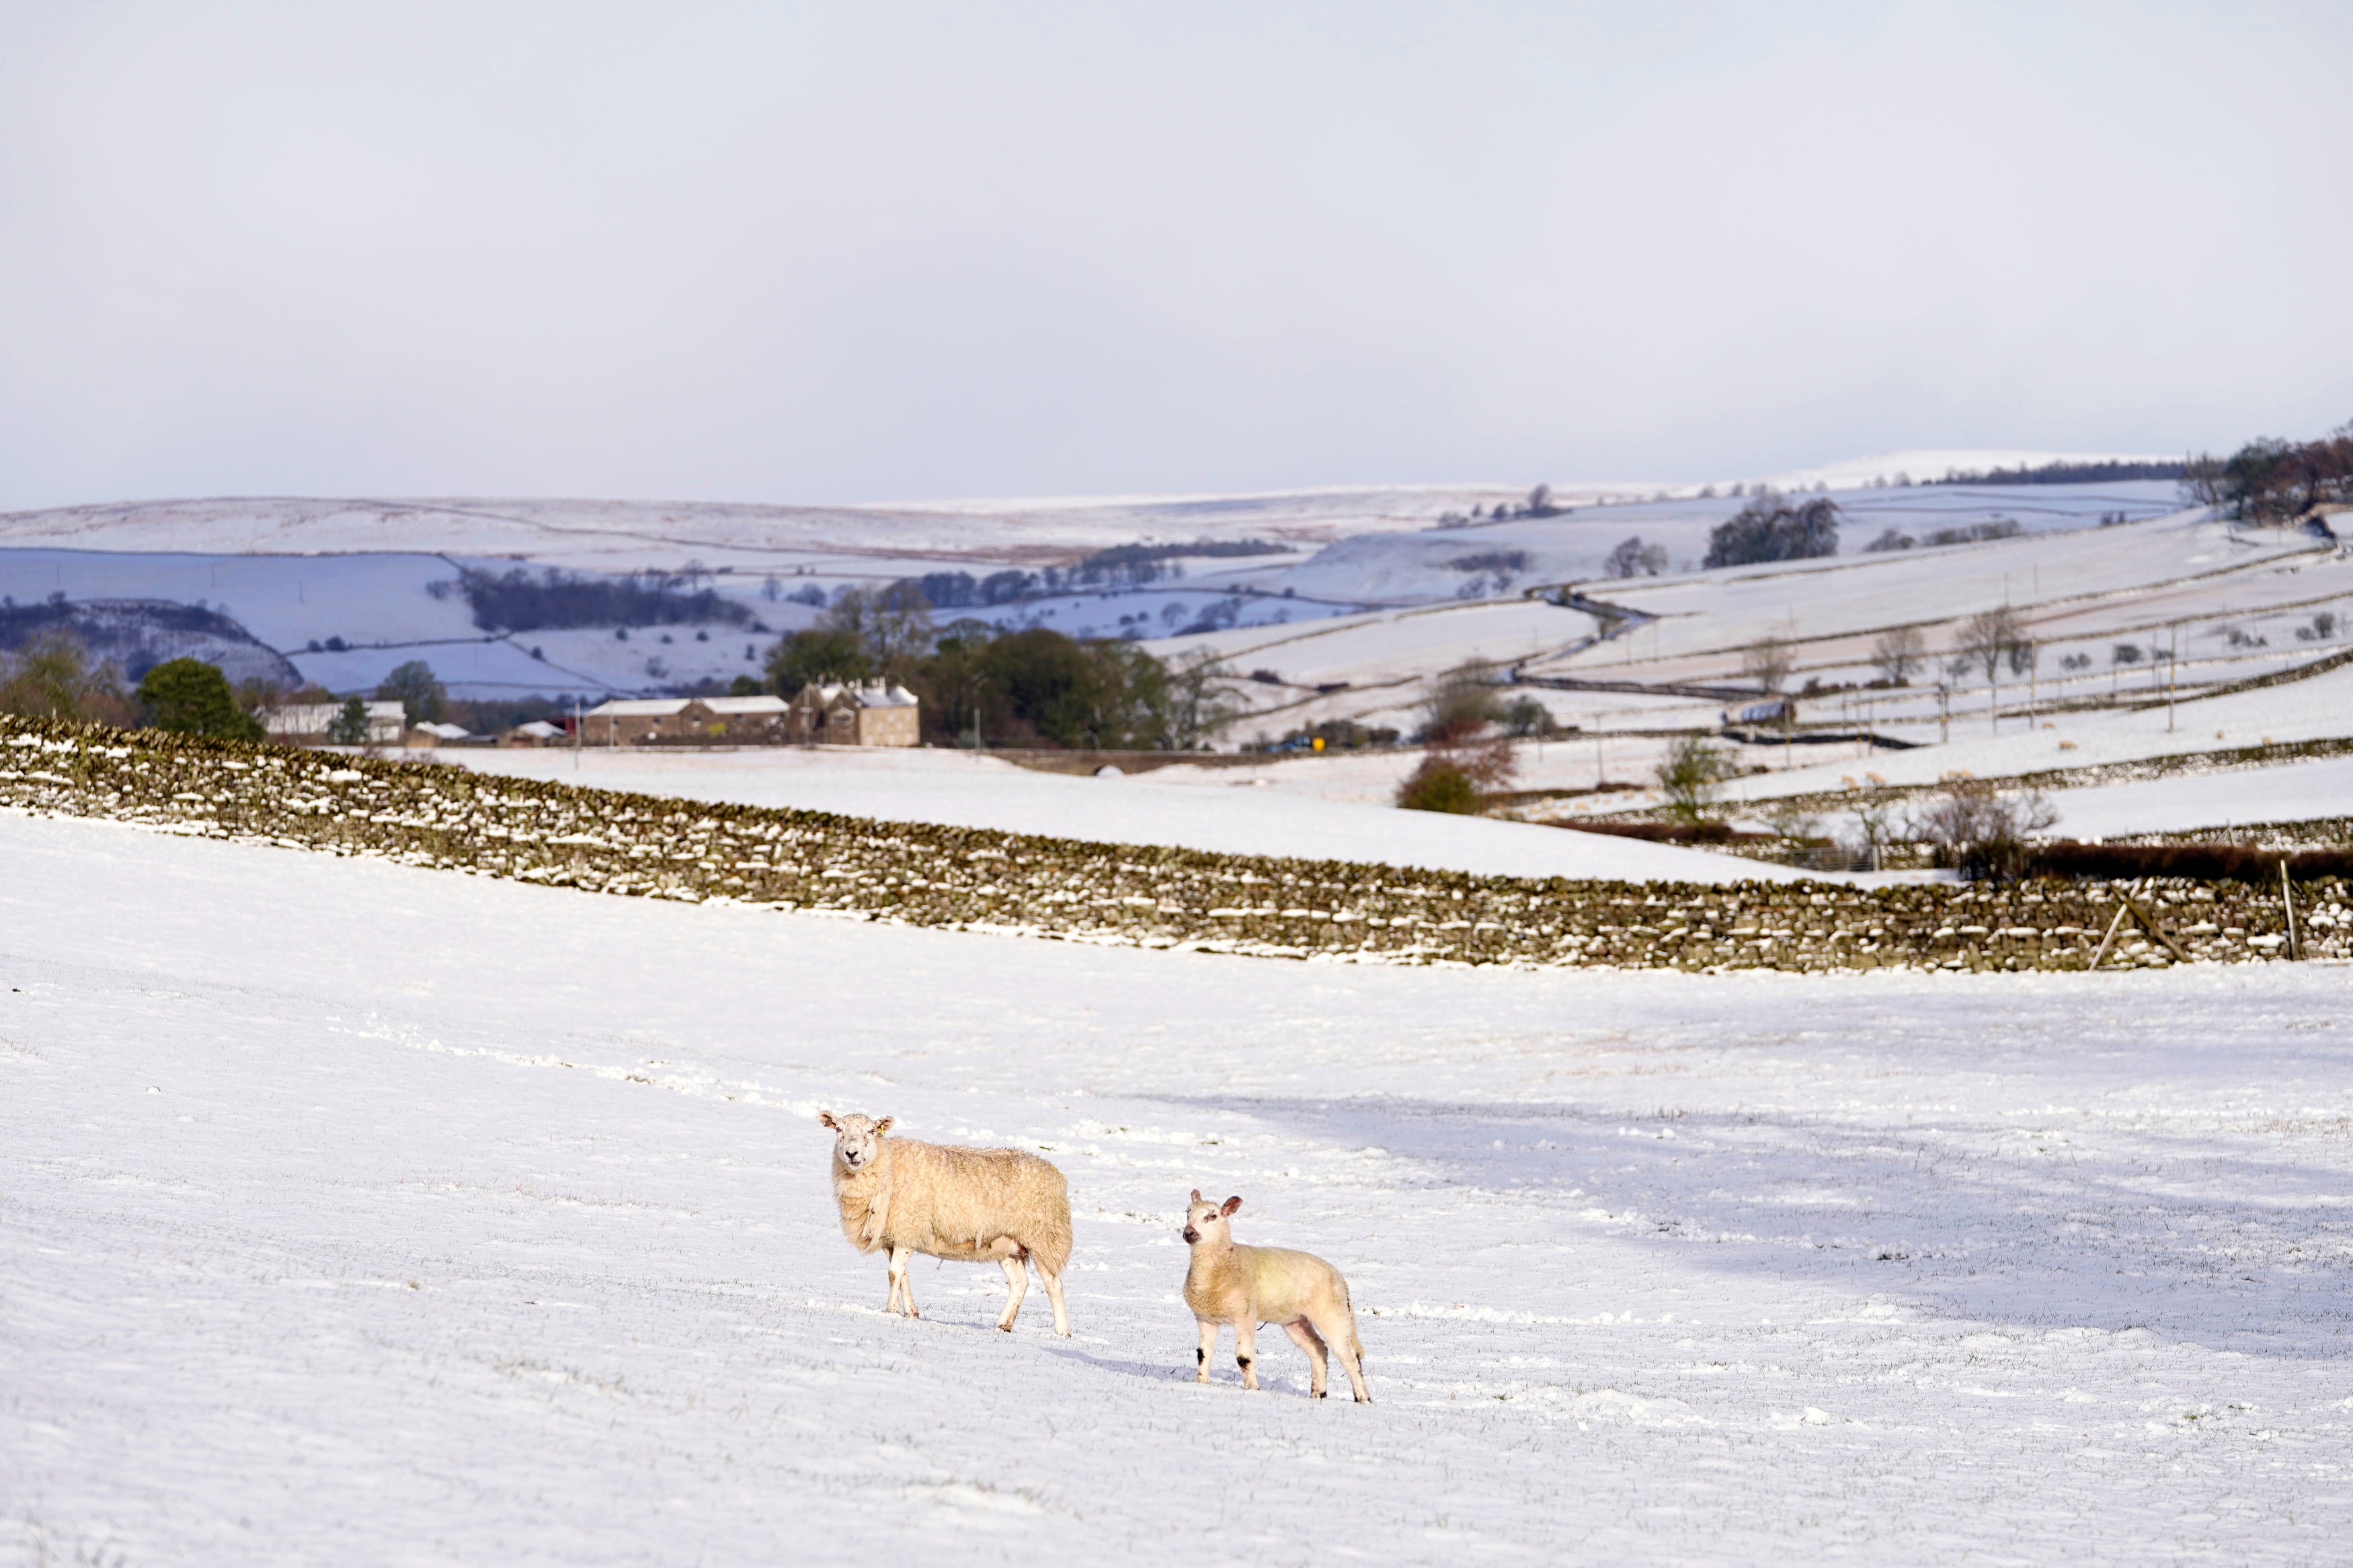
883	251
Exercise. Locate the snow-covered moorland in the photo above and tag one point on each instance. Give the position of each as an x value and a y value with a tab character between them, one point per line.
352	1212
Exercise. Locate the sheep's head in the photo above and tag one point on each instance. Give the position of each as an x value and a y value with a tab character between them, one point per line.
1206	1219
857	1140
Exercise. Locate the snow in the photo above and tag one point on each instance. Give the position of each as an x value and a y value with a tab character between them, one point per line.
1927	464
2286	792
2320	708
356	1213
1225	811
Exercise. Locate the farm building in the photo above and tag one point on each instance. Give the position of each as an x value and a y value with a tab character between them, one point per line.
687	721
870	713
306	723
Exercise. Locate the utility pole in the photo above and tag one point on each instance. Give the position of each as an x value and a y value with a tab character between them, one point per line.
1944	713
2172	675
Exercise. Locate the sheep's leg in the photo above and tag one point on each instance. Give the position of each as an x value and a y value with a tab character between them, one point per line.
1246	1350
1017	1285
1201	1356
1303	1334
1054	1294
1341	1333
899	1287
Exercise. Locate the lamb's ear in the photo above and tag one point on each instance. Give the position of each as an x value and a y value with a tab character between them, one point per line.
1231	1205
1197	1195
883	1126
826	1117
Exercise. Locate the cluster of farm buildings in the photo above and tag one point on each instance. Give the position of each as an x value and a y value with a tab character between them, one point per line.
869	713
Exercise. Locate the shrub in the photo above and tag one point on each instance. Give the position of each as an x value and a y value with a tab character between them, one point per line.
1436	786
1525	716
1690	775
2201	862
1980	831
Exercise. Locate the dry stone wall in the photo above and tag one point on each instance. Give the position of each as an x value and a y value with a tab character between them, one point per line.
969	878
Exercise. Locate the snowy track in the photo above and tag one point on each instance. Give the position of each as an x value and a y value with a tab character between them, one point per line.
353	1213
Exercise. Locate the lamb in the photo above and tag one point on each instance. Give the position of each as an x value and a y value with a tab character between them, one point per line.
1247	1286
969	1204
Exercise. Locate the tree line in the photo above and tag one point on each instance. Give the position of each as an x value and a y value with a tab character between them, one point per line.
981	687
2272	481
553	599
1120	566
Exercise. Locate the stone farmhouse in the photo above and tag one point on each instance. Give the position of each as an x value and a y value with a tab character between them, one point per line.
686	721
870	713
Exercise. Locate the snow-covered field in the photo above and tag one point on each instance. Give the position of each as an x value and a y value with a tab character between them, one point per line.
1223	810
2289	792
353	1213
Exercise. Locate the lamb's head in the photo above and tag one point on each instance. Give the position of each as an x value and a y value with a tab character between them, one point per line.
857	1140
1206	1221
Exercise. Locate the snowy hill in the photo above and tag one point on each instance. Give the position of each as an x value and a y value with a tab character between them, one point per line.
528	1255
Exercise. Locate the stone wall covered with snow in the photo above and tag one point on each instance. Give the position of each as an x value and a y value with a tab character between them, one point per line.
972	879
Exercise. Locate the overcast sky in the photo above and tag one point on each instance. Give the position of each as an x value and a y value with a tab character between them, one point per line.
880	251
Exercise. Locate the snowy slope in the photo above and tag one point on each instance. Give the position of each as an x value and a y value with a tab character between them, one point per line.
1230	814
2291	791
1926	465
352	1212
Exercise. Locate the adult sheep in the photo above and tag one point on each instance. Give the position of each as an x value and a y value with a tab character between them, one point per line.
969	1204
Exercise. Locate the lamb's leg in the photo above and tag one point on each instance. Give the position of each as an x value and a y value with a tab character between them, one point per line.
1246	1348
1017	1285
1304	1336
1341	1333
904	1291
1054	1294
1201	1356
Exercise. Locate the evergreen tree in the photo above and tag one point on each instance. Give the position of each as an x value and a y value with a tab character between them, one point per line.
350	727
189	697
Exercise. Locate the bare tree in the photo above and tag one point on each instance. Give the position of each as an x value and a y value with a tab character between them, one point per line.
893	626
52	676
1460	704
1632	558
1982	831
1987	639
1897	654
1769	663
1197	704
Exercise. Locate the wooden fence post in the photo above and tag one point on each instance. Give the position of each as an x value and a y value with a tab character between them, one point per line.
2287	901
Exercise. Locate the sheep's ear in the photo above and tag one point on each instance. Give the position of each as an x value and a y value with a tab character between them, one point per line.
1231	1205
883	1126
826	1117
1197	1195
